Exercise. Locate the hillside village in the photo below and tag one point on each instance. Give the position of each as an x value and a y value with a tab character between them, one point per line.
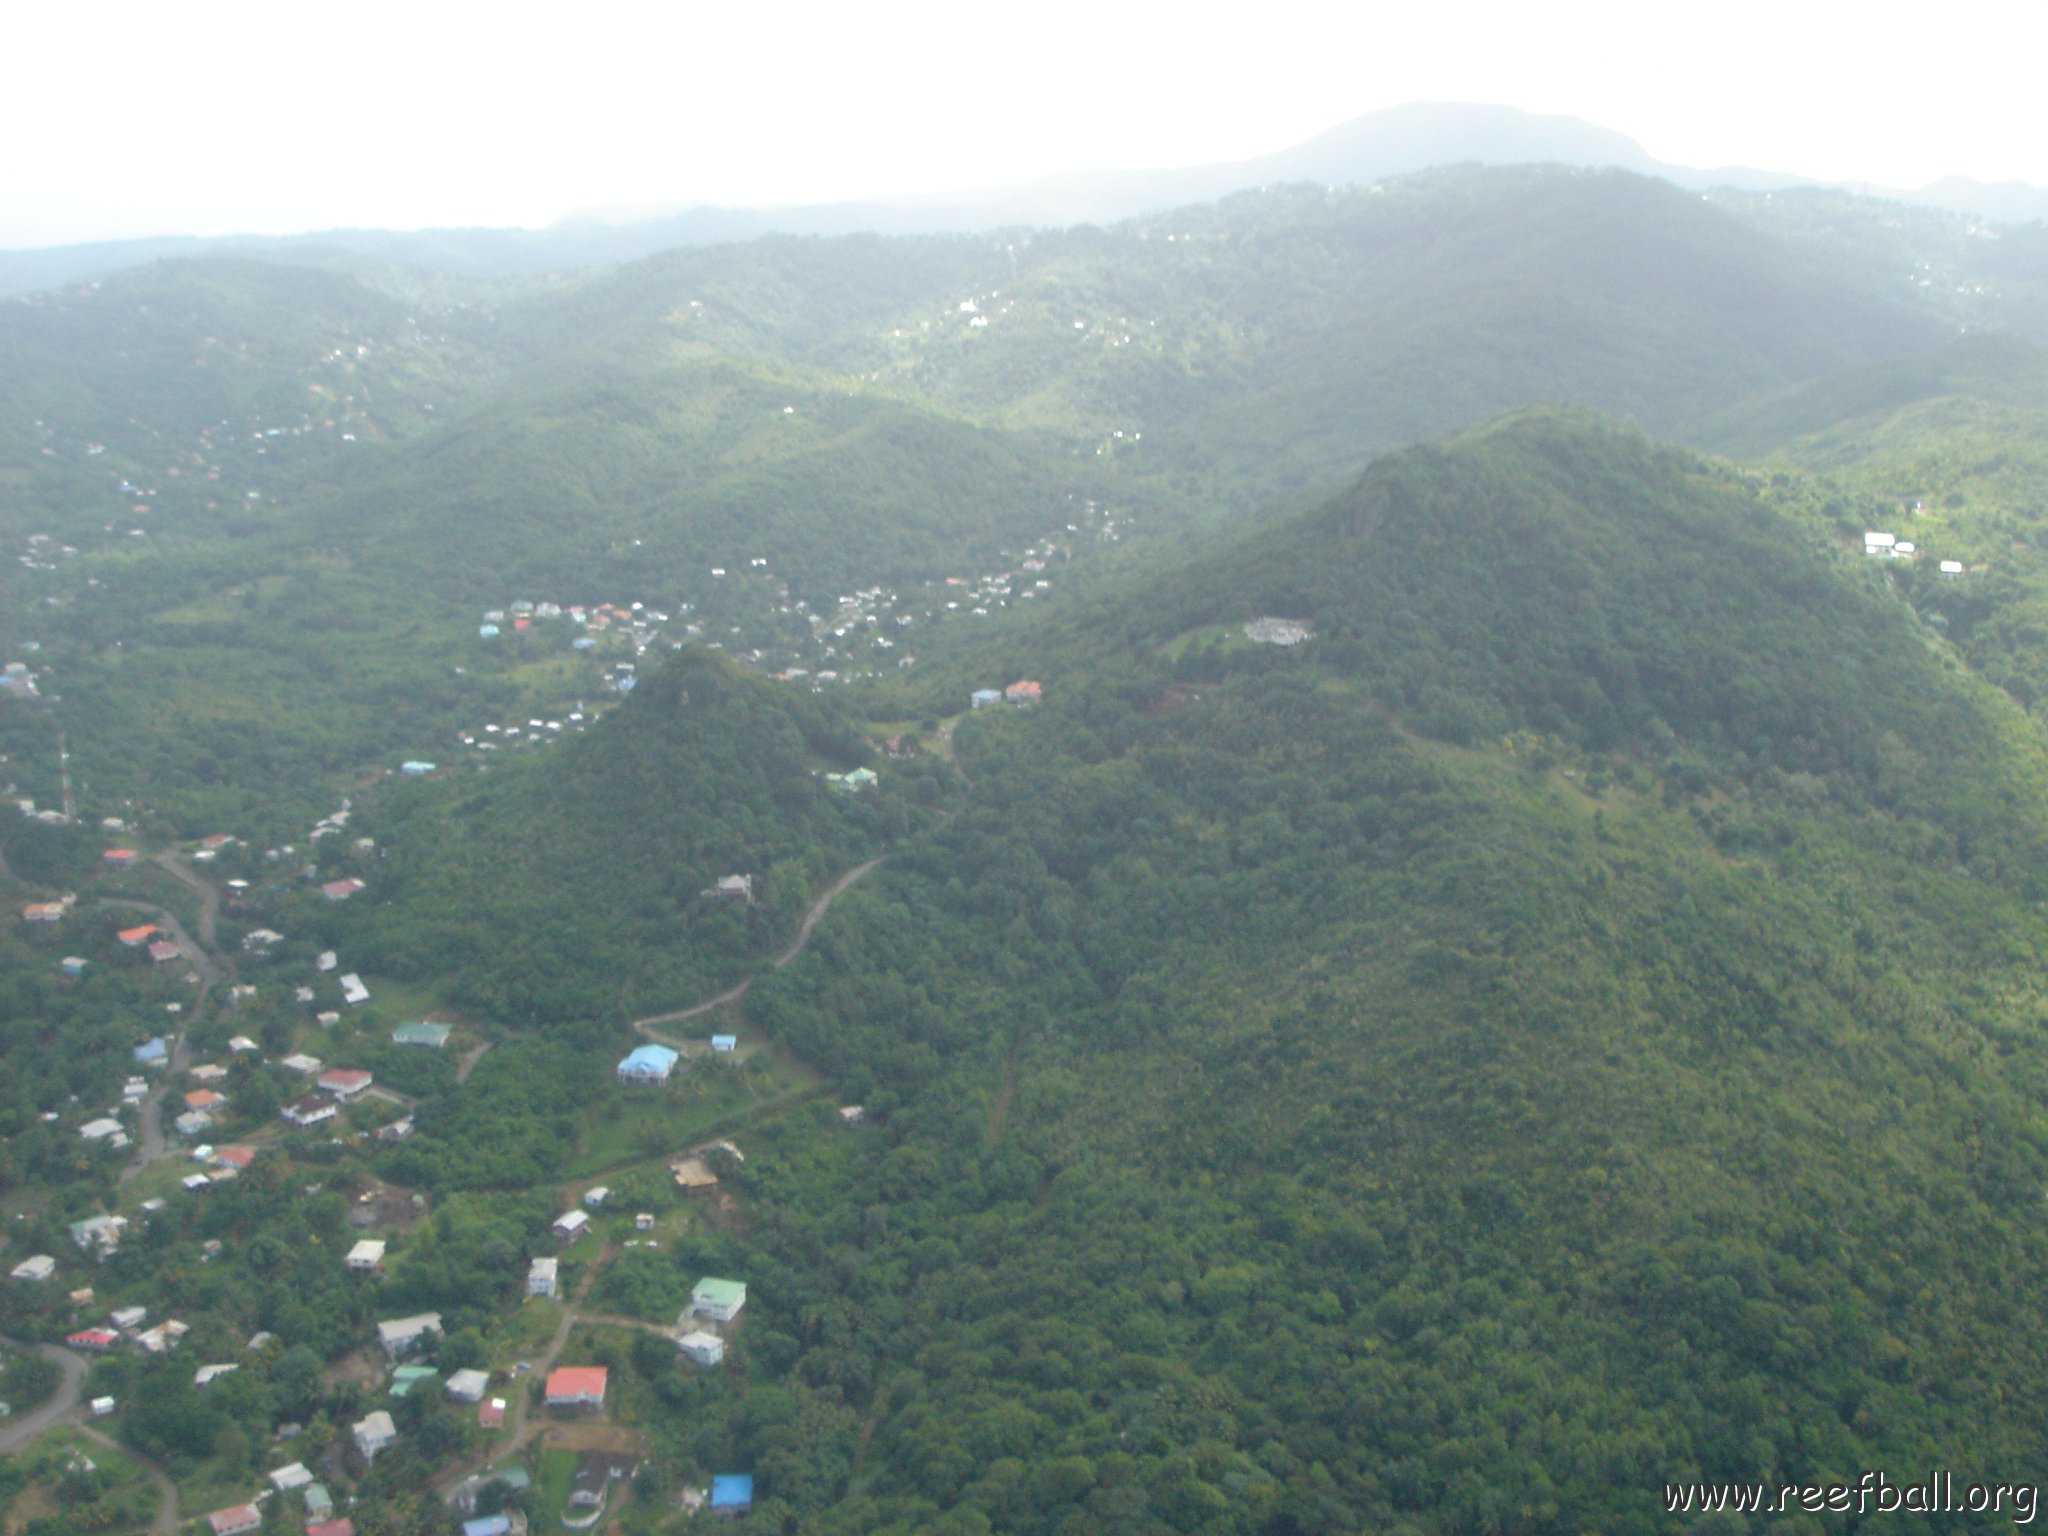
272	1028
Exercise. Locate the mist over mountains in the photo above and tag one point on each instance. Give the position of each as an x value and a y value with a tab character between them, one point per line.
1395	141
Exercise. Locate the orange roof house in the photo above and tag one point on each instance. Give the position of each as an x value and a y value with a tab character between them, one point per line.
135	938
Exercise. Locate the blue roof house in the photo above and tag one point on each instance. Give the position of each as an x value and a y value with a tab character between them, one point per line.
152	1052
732	1494
648	1064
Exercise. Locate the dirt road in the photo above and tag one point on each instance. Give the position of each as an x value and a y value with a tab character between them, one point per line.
795	947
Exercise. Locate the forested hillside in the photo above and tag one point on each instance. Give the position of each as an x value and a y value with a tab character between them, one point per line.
1553	1011
1570	1025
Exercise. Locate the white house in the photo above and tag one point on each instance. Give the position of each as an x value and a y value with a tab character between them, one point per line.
373	1432
38	1268
366	1256
704	1348
287	1478
597	1196
468	1386
1883	545
540	1279
569	1223
402	1335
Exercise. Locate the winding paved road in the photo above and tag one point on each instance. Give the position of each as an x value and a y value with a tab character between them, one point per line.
816	910
21	1429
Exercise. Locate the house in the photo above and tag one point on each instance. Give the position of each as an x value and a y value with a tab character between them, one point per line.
191	1123
258	938
344	1082
982	697
162	951
1024	691
1882	545
733	888
209	1073
102	1406
373	1432
120	858
725	1045
468	1386
204	1100
236	1158
341	890
43	912
72	965
488	1525
1951	568
345	1526
732	1494
402	1335
406	1377
852	1114
103	1129
704	1348
235	1521
310	1110
286	1479
643	1221
206	1375
102	1233
694	1175
320	1506
367	1257
492	1414
576	1386
415	769
570	1223
540	1278
1281	632
596	1197
648	1064
94	1341
300	1063
327	961
434	1035
241	1043
152	1053
162	1338
128	1317
353	992
719	1300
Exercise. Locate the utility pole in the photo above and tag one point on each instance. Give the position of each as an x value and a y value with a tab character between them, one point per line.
64	776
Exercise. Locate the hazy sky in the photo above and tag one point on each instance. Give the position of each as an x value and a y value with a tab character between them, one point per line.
216	115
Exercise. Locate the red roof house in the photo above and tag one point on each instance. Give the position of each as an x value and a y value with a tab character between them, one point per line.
120	858
136	937
577	1386
233	1522
93	1340
162	950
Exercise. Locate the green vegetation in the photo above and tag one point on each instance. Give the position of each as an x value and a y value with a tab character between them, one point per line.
1573	1023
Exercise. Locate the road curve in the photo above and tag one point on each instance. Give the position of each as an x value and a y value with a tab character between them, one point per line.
795	947
21	1429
